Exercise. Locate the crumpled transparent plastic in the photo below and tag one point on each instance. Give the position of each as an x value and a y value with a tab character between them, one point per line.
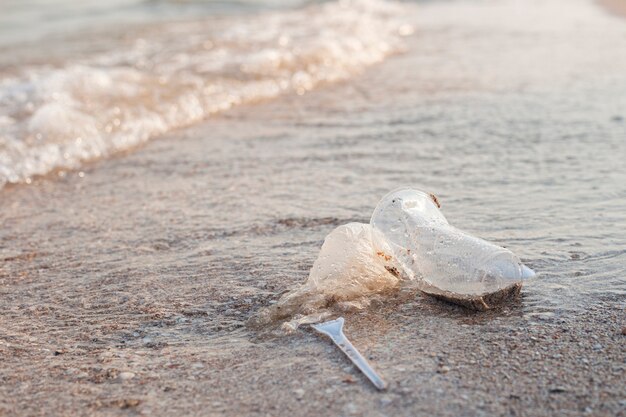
408	238
347	274
419	244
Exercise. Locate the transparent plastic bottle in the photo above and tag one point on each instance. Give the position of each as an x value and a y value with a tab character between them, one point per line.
415	239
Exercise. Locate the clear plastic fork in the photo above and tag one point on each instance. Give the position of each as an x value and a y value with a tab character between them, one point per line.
334	330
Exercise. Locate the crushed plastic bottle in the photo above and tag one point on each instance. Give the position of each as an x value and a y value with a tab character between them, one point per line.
419	244
408	239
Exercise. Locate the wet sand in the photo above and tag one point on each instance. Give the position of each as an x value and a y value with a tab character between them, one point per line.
125	288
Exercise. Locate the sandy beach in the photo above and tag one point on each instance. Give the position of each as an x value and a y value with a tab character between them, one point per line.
126	284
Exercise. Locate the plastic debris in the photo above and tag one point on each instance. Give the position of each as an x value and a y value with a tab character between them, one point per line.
347	275
334	330
419	244
408	239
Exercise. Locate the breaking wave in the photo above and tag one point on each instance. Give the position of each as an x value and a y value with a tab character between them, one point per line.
59	117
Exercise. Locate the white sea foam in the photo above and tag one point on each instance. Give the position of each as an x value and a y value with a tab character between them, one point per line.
58	118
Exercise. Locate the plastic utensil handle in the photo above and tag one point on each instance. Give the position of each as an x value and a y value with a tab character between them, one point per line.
334	330
344	344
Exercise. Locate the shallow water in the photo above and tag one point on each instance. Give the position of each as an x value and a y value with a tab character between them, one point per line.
172	75
33	20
